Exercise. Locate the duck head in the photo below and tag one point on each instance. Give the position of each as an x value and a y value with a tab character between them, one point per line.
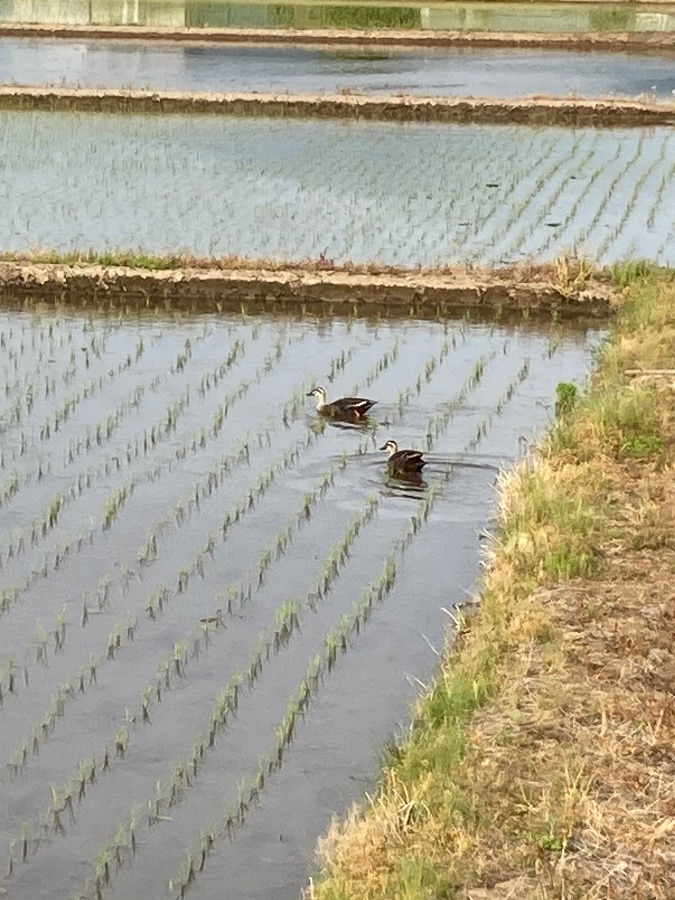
320	394
391	446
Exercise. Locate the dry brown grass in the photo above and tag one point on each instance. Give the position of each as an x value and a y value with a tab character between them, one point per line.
564	272
542	763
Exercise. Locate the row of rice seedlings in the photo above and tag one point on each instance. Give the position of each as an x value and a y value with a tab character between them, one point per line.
286	620
591	223
166	425
20	539
125	631
381	365
637	182
94	434
628	207
198	440
41	528
658	197
211	379
103	429
16	668
582	198
525	225
618	180
268	642
149	553
40	357
61	415
438	423
335	642
505	397
242	592
10	595
337	365
486	215
432	364
157	432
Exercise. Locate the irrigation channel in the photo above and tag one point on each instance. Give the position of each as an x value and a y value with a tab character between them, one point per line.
500	16
216	608
391	193
457	72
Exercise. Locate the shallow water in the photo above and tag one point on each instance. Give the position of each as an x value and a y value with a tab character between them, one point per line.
403	194
552	17
460	72
471	394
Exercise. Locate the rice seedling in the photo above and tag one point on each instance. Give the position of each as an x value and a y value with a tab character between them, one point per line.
114	597
334	642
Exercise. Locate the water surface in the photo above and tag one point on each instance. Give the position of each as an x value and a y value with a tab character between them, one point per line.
472	394
459	72
392	193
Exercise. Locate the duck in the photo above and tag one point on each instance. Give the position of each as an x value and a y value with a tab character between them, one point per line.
410	461
356	407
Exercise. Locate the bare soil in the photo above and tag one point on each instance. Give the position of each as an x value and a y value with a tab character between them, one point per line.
573	111
638	41
512	288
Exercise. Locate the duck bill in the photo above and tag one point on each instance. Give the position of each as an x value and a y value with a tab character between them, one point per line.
384	448
311	394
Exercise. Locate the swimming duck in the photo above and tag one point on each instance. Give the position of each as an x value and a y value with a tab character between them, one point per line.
403	460
356	407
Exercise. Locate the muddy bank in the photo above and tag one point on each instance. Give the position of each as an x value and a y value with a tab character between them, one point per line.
573	111
639	41
213	289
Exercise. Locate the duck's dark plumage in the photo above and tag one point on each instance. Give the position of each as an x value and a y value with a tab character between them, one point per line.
356	407
403	460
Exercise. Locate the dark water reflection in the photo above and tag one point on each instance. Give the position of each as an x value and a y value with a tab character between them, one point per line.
460	71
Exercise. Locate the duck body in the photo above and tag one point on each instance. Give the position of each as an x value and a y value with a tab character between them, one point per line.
404	461
345	407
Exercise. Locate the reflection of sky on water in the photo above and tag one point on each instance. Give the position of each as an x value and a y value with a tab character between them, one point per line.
393	193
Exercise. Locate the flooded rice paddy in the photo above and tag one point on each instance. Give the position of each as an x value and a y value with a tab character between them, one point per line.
370	192
216	608
500	16
458	72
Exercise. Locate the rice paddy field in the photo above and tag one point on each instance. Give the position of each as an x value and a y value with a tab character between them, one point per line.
216	607
370	192
205	589
458	72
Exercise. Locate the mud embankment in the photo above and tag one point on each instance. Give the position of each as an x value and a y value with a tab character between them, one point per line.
605	113
354	37
297	289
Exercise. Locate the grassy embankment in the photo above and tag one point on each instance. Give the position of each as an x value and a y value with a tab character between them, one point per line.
541	761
